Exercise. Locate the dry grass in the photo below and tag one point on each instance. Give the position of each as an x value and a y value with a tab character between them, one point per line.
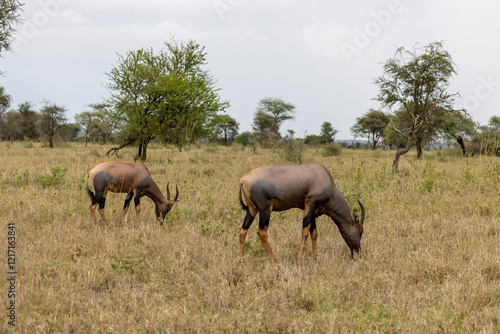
430	262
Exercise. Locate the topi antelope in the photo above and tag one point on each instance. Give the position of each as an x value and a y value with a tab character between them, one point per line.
130	178
309	187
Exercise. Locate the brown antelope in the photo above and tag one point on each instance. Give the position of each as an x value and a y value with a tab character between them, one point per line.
130	178
309	187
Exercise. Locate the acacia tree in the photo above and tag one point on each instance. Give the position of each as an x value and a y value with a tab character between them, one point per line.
227	128
166	95
417	81
457	126
328	132
269	116
28	120
52	118
371	125
99	122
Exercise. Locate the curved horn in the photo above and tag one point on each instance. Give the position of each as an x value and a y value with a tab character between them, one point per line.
176	193
168	192
362	212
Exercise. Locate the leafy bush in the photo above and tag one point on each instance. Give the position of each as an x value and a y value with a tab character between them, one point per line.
331	150
244	138
55	179
293	149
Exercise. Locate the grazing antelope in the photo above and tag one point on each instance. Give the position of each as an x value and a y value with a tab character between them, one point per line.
309	187
130	178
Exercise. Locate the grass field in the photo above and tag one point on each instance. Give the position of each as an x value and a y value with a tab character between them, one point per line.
430	261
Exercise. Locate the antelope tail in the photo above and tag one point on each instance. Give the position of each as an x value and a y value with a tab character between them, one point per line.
242	204
91	194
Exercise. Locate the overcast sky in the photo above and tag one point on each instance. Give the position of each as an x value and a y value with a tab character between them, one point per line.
320	55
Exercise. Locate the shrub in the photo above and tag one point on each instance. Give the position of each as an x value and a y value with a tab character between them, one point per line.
331	150
55	179
244	138
293	149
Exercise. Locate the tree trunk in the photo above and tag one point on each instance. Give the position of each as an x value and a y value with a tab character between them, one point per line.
395	163
399	153
460	141
139	150
86	135
143	149
418	143
51	141
144	152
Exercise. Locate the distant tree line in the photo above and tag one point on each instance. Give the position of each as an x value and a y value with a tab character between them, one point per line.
169	97
25	123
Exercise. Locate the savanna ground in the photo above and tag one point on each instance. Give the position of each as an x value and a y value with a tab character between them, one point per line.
430	260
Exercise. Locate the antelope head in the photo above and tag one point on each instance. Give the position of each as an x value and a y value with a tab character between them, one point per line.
358	224
165	206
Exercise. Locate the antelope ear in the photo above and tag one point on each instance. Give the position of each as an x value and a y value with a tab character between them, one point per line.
355	217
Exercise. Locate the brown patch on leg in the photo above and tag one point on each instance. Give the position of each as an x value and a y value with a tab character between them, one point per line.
138	212
92	212
314	236
103	215
128	198
243	236
137	202
305	234
102	204
262	233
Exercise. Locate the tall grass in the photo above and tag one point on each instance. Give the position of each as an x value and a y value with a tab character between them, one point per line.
430	251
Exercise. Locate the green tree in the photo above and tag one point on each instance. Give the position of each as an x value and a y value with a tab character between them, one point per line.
12	129
19	124
328	132
29	119
244	138
280	111
371	125
167	95
457	126
227	128
269	116
9	16
5	101
52	119
416	80
487	138
99	122
262	122
69	131
86	121
494	123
